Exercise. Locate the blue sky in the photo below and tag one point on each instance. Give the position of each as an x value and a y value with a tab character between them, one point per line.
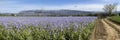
14	6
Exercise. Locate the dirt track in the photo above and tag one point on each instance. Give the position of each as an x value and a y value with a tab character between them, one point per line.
105	30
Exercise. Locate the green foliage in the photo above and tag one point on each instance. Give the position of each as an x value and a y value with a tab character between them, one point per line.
39	33
115	19
12	14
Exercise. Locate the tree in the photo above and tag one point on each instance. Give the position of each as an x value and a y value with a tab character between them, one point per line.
109	8
13	15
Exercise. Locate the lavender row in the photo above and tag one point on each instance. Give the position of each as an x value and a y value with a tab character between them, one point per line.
53	21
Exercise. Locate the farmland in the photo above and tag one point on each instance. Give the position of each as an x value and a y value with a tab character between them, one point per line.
46	28
54	21
115	19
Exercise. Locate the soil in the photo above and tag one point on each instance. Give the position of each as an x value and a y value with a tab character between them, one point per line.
105	30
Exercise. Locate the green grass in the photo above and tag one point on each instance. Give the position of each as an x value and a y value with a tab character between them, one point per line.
39	33
115	19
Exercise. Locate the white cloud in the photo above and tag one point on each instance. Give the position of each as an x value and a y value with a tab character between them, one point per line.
111	1
14	6
118	8
85	7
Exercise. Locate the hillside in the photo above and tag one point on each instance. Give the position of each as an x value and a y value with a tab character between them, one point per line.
54	12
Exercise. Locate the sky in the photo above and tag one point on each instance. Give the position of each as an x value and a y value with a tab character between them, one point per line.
15	6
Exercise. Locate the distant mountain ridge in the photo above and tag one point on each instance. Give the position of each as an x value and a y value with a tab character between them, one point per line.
54	12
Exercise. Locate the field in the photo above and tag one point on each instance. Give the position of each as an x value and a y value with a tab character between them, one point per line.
46	28
115	19
53	21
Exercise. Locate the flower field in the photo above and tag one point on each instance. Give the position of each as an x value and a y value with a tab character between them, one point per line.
46	28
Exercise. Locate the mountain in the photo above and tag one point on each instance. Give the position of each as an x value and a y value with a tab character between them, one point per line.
54	12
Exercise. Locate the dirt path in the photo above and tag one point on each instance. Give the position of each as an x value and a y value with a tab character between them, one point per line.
99	32
112	34
113	24
105	30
